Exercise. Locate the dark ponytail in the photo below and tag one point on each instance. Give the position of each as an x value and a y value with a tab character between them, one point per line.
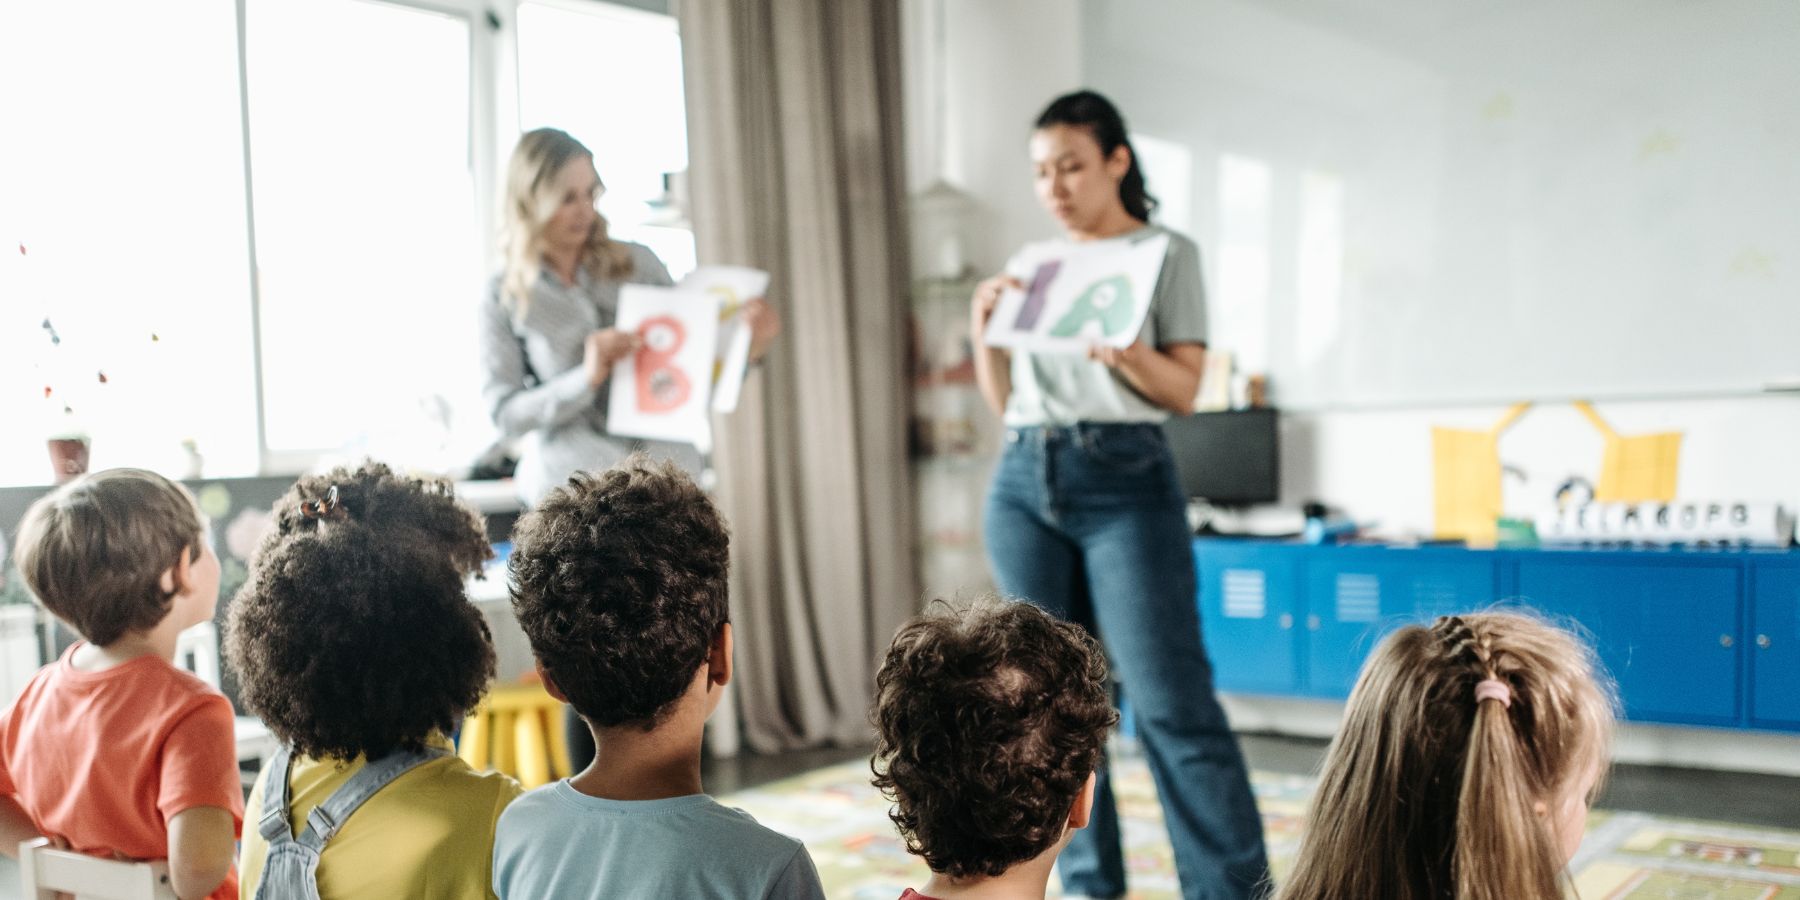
1086	109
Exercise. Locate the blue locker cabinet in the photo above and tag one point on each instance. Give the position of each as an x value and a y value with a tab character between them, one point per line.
1692	636
1358	595
1665	626
1249	615
1774	646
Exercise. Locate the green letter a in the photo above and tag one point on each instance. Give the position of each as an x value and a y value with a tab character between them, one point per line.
1108	300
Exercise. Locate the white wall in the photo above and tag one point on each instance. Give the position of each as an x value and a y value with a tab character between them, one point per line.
1001	62
1523	198
1376	464
1370	92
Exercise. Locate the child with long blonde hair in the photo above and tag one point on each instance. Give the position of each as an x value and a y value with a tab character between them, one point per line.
1464	767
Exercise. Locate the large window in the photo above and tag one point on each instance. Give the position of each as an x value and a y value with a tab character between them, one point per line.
367	254
611	77
123	220
268	222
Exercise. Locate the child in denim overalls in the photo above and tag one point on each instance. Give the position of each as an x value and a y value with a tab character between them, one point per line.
356	643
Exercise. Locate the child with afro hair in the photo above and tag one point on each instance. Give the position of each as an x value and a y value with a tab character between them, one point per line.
355	641
989	725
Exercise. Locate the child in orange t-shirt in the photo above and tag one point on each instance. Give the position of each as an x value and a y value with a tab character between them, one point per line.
111	750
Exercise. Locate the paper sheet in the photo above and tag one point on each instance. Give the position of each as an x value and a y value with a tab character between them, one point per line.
733	286
663	390
1085	297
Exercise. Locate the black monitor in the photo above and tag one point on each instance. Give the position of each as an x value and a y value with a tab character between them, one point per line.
1228	458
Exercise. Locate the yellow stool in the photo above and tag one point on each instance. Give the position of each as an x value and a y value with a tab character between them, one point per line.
517	729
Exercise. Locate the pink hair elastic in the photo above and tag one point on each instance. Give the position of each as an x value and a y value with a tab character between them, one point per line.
1494	689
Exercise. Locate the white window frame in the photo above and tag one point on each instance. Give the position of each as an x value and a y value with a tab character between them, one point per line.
492	77
494	125
493	129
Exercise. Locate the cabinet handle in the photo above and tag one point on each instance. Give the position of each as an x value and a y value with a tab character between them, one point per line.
1312	623
1762	640
1287	621
1725	640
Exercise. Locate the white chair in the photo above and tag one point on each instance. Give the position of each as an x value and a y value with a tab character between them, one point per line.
44	872
197	650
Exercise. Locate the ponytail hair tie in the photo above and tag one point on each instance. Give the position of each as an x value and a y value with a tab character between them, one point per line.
1493	689
320	509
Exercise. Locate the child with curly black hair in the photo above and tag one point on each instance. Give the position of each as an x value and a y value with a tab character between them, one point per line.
355	641
618	579
989	724
111	750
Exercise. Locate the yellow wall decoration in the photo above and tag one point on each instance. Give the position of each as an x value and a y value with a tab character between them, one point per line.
1466	472
1636	469
1466	467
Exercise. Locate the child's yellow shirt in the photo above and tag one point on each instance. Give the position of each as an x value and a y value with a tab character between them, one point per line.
429	834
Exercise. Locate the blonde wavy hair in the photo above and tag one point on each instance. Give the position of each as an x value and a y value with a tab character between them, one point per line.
1430	794
531	200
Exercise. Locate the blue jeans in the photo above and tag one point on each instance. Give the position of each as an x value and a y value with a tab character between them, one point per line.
1087	522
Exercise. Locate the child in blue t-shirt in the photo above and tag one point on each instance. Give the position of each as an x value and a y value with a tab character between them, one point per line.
619	582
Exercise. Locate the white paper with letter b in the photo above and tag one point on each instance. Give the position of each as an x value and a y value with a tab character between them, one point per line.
663	390
1080	298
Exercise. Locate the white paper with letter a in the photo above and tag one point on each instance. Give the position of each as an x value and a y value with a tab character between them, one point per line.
1083	297
663	390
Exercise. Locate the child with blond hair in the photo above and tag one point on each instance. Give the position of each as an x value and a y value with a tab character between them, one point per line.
111	750
1463	770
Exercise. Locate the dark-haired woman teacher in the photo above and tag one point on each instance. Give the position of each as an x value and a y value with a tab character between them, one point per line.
1086	519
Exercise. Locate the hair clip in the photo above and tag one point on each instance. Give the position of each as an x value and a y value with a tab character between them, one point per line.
1493	689
319	509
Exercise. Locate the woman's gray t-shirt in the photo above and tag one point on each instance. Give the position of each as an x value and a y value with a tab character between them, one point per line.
1066	388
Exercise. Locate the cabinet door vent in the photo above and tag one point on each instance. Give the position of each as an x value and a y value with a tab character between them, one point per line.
1358	598
1246	594
1436	597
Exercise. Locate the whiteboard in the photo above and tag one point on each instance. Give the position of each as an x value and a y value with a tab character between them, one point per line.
1411	202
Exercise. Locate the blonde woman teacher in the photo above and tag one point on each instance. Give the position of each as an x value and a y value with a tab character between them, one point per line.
548	344
1085	517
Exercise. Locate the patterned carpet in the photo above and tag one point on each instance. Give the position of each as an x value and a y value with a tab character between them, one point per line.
1626	856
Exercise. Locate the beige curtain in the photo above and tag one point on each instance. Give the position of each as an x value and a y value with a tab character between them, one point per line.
795	167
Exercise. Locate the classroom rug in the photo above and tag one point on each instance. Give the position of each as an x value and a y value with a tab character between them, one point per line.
1625	856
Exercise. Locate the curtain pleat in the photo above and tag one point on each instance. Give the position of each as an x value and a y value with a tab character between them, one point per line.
795	166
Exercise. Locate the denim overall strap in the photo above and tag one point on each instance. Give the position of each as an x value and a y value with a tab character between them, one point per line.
291	868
